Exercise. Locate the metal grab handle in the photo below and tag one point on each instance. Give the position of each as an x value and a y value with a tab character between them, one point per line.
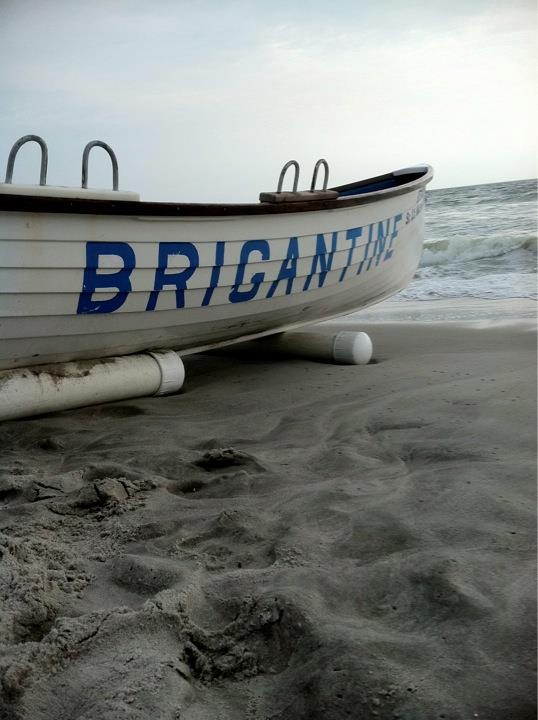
283	172
113	159
323	162
15	149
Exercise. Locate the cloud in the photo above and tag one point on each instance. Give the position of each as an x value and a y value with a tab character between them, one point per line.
206	100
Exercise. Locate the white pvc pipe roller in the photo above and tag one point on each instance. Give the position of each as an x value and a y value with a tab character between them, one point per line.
63	386
345	348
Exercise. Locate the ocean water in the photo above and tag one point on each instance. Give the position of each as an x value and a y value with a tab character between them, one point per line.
480	243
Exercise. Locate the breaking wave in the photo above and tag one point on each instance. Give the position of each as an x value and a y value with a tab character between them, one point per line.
463	249
481	241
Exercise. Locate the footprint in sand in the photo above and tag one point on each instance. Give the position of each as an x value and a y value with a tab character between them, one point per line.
233	539
206	476
106	488
218	459
145	574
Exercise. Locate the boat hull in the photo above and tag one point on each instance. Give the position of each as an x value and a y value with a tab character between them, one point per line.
81	285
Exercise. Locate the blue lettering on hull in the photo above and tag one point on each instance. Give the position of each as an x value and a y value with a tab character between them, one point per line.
93	280
364	248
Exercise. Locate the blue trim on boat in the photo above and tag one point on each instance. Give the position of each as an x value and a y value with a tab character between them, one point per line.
373	187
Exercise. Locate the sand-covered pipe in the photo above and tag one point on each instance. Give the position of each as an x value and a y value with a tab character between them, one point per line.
62	386
346	348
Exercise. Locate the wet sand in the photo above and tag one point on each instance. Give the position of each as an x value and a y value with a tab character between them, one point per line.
284	539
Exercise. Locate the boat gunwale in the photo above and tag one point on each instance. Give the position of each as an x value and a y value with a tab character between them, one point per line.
47	204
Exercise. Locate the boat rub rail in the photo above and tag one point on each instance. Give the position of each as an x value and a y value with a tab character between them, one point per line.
402	183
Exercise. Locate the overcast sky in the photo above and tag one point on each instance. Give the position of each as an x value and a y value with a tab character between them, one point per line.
204	100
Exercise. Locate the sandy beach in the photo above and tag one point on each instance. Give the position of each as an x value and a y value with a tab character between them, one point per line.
284	539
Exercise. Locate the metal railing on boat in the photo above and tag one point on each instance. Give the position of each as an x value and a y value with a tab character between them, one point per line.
113	160
295	195
13	154
43	189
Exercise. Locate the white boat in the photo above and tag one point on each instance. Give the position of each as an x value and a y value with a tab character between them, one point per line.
93	274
